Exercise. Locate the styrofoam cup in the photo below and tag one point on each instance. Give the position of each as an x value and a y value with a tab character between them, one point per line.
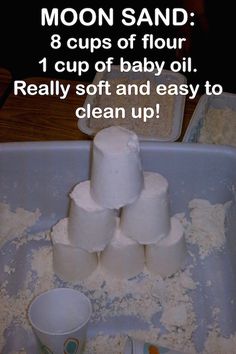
59	318
116	175
135	346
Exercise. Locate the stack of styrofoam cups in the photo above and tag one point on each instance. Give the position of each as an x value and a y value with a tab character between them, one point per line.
93	228
92	225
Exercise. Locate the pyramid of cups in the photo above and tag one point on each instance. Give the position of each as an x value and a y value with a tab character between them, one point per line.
120	218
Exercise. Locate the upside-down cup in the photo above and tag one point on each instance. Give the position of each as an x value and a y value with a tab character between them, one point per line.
90	225
116	174
166	257
123	257
147	220
59	318
70	263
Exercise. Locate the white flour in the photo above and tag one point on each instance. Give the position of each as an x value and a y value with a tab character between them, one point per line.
207	229
14	224
219	127
215	343
145	297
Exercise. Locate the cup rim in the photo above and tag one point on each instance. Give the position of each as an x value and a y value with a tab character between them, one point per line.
34	326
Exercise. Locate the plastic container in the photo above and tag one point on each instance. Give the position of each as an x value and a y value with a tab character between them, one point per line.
206	102
43	174
166	77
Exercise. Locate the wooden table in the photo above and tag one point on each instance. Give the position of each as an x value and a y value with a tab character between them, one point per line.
5	80
44	118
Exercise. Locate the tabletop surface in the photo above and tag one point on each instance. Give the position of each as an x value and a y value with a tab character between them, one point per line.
47	118
5	79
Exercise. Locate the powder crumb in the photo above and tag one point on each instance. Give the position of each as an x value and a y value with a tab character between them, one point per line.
150	336
215	312
125	297
174	316
144	297
14	224
25	238
42	264
186	281
178	341
207	226
215	343
8	270
102	344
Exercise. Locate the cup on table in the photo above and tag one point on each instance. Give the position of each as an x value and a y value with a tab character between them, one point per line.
135	346
59	318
